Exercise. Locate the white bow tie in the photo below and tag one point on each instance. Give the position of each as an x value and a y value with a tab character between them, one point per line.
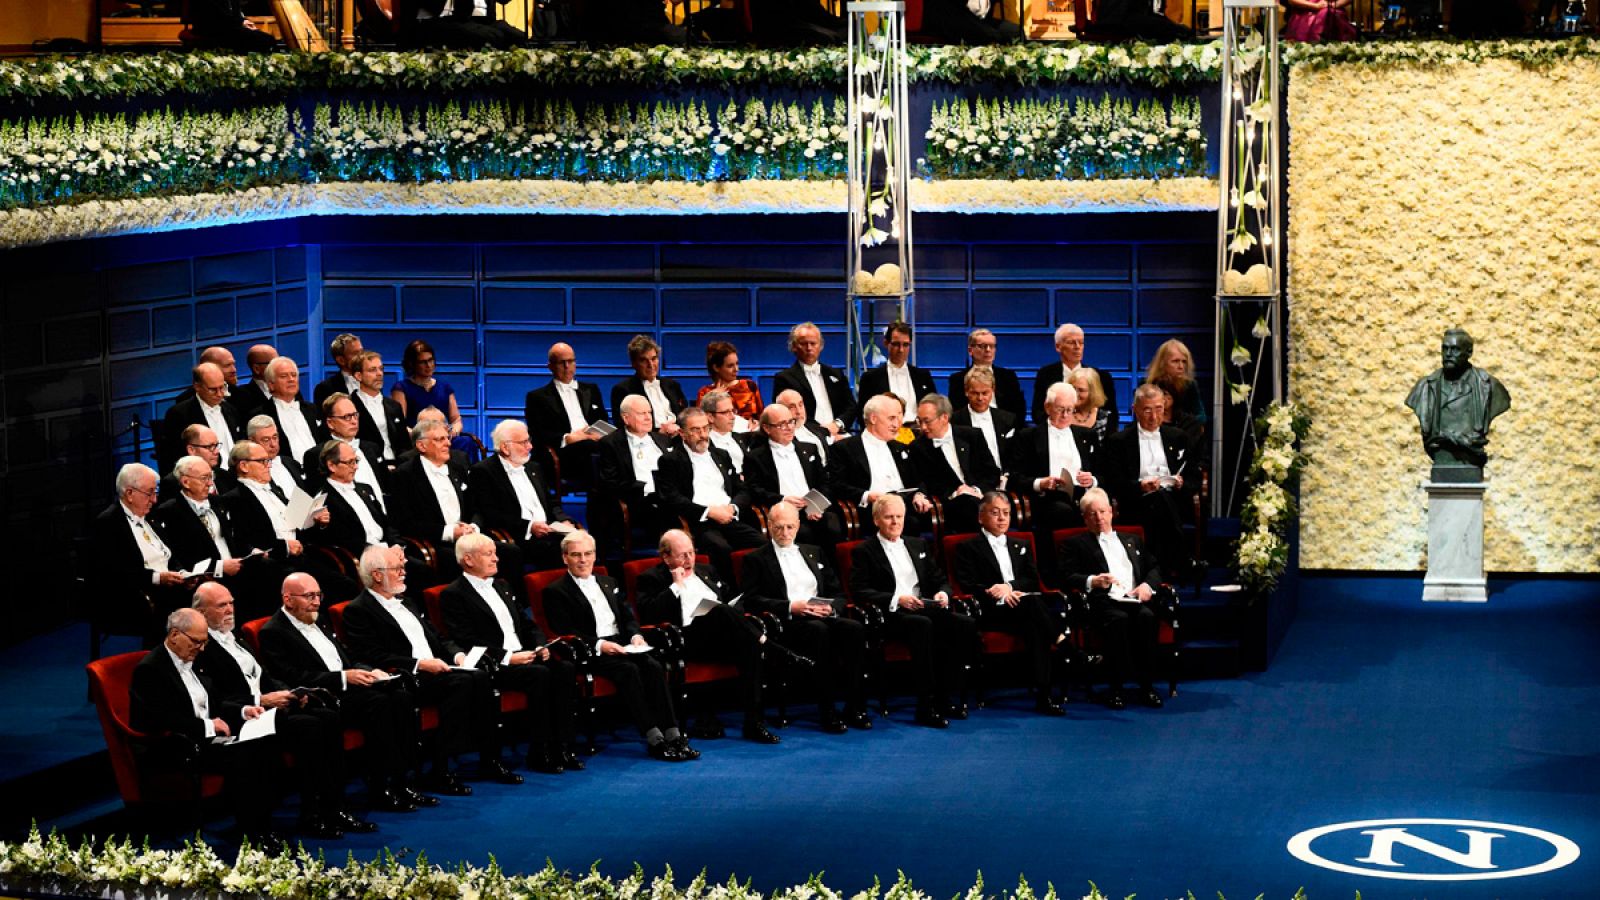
813	369
571	388
202	509
941	442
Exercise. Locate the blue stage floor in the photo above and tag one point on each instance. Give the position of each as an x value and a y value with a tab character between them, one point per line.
1377	707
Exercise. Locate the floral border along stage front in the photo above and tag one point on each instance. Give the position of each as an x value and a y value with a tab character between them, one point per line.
96	218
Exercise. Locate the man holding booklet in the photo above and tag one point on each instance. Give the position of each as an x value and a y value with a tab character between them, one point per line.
783	469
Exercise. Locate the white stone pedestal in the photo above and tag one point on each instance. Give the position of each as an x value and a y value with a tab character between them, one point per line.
1455	543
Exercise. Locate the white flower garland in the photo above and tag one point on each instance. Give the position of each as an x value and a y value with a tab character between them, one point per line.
1262	550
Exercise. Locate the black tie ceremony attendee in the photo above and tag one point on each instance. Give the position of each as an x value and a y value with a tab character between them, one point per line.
967	22
298	649
900	577
794	583
700	486
132	582
222	25
356	519
282	470
997	426
391	631
1069	349
862	470
593	608
1090	412
1150	471
666	396
1121	579
343	350
195	527
510	495
309	727
730	430
480	611
784	470
1055	463
343	423
431	501
696	599
805	430
209	407
559	415
381	422
198	440
627	464
253	397
1004	577
455	25
982	346
168	697
824	389
300	425
954	464
722	364
257	528
897	376
222	358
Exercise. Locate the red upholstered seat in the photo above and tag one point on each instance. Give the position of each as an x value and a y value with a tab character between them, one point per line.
110	680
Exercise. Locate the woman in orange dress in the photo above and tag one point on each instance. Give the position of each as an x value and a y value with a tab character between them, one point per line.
722	362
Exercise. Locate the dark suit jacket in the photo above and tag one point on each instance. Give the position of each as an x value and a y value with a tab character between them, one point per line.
849	474
117	571
158	703
839	396
1032	461
186	534
1081	559
1050	373
250	398
615	465
415	508
224	482
547	417
766	590
1007	391
675	483
1121	455
291	658
939	480
632	385
344	527
876	382
333	384
872	579
395	424
568	612
1005	429
317	477
657	603
313	417
181	416
761	472
976	568
296	472
374	635
248	527
228	679
494	501
471	622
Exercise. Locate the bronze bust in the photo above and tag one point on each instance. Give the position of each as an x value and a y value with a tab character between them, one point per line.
1454	405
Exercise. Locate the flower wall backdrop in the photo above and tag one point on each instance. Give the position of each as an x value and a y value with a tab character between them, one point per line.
1425	195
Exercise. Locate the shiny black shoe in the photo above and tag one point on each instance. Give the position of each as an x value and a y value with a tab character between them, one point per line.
392	801
351	824
548	763
572	761
1149	697
418	798
931	719
495	770
859	719
757	732
708	729
1115	700
319	829
686	751
956	712
1045	706
449	785
666	751
832	724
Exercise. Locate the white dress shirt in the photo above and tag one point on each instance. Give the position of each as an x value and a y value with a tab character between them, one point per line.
294	429
277	511
527	497
984	422
690	594
605	621
900	385
819	391
1117	563
444	490
369	525
157	555
708	487
728	444
365	473
905	572
213	526
282	478
1063	452
885	475
646	459
324	647
798	578
247	663
408	623
502	616
1001	548
218	423
197	691
802	433
947	446
568	392
660	408
791	475
1152	456
374	405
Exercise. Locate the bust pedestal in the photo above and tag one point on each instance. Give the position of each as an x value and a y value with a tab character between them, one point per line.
1455	543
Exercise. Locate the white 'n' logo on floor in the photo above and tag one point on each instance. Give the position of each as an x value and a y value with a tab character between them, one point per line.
1433	849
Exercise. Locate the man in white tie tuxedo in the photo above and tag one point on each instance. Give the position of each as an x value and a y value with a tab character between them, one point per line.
997	426
196	527
823	389
953	463
665	394
782	469
1149	469
1069	347
132	582
1056	463
559	413
1124	590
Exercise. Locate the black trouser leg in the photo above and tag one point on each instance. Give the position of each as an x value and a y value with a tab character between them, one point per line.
722	635
956	637
549	689
453	693
916	631
316	739
642	683
1033	620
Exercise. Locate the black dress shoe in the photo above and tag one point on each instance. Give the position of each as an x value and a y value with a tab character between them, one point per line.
496	770
1149	697
931	719
351	824
757	732
319	829
449	785
667	751
957	712
1115	700
708	729
546	763
392	801
832	724
417	798
572	761
859	719
687	752
1047	707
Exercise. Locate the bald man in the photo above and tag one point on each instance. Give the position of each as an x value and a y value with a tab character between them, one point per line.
253	397
1069	350
559	412
209	407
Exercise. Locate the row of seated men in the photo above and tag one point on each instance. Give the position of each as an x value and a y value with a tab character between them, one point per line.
387	660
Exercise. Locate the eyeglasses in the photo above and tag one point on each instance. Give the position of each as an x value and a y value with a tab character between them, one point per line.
149	493
259	459
786	423
979	345
424	360
205	446
347	417
314	595
201	642
343	462
899	343
524	442
206	478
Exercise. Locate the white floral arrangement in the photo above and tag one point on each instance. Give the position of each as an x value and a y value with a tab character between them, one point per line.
119	868
1269	506
114	75
1065	138
1536	53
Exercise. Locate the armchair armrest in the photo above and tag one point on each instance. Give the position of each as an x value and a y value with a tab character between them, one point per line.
338	557
422	550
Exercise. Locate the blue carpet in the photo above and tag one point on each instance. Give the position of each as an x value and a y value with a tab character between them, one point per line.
1377	707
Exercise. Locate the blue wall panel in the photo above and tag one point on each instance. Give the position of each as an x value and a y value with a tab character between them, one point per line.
233	270
628	307
438	303
785	307
516	305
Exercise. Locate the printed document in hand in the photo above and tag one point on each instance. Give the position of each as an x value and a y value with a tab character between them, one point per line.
301	507
816	503
260	726
600	428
